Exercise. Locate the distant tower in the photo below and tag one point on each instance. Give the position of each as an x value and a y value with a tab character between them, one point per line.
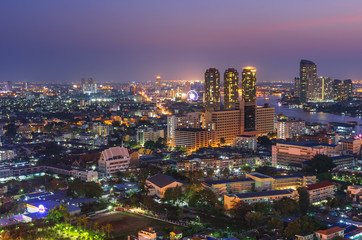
308	71
348	89
212	89
249	97
158	84
89	86
297	87
231	87
9	86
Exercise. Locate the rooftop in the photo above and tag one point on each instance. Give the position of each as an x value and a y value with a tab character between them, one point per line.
319	185
330	230
262	193
161	180
228	181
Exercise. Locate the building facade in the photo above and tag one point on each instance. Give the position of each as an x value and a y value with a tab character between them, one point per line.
231	89
212	89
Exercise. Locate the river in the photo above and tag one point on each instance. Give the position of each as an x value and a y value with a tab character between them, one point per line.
314	117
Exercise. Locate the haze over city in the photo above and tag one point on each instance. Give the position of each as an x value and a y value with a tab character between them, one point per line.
122	41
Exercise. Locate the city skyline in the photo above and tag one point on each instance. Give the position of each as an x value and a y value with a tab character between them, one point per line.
123	42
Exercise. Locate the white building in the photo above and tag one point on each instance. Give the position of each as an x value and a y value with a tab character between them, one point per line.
246	142
290	128
149	134
113	160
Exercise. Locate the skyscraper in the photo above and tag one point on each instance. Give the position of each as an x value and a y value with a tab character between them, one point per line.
348	89
231	87
249	97
342	90
297	87
212	89
89	86
308	71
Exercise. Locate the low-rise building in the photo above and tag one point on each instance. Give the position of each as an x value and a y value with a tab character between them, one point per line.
351	146
247	142
113	160
320	191
159	183
330	233
230	200
354	193
147	234
230	185
193	139
344	161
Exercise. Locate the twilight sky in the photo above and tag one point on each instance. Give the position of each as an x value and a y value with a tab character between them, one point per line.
135	40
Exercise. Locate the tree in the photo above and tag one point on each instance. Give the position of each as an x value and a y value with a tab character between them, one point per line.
240	210
270	171
222	141
172	195
303	200
287	207
205	200
264	141
320	163
254	219
210	172
338	238
59	213
108	229
303	225
225	172
263	207
274	223
79	188
149	144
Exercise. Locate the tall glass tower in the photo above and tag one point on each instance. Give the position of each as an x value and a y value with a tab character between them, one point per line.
308	72
231	87
249	97
212	89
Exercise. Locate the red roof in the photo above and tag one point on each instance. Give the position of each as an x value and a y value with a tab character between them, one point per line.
319	185
330	230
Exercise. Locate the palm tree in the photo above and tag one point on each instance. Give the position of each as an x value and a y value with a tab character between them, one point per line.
96	226
78	221
85	221
108	229
6	236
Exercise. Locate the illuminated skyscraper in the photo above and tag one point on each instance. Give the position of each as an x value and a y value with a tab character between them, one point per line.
342	90
89	86
249	97
308	71
231	87
212	89
297	87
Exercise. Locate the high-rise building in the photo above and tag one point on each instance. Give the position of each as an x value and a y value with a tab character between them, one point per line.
149	134
249	97
231	87
212	89
342	90
189	120
264	123
290	128
308	71
297	87
192	139
327	89
348	88
89	86
226	124
9	86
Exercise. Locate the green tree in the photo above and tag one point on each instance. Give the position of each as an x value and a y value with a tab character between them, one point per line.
240	210
270	171
79	188
210	172
225	172
264	141
293	229
303	200
320	163
222	141
263	207
254	219
149	144
287	207
204	200
274	223
59	213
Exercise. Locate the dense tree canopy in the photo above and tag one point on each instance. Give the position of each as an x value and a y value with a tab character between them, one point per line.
320	163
